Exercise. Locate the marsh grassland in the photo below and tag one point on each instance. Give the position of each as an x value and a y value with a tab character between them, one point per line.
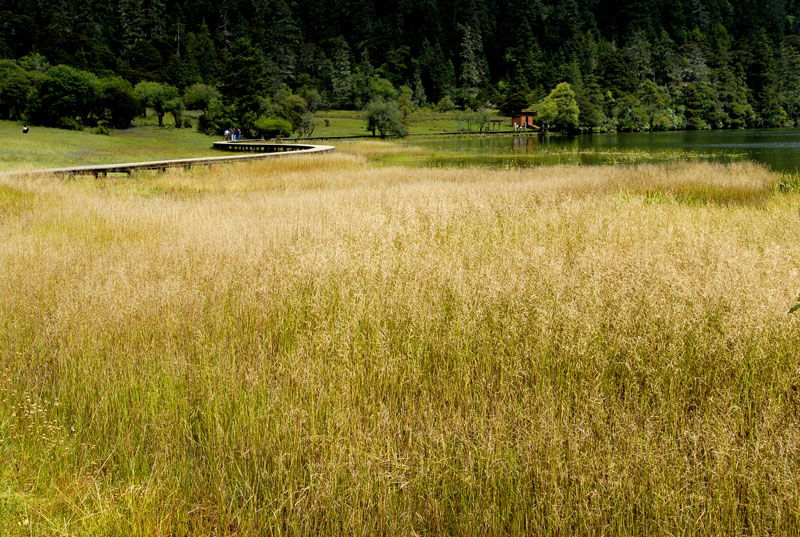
320	346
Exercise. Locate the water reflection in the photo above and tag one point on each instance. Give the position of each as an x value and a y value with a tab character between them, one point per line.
777	148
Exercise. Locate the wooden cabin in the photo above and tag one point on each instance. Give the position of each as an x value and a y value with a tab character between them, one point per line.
524	119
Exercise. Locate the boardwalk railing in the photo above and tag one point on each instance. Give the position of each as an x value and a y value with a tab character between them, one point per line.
259	146
258	150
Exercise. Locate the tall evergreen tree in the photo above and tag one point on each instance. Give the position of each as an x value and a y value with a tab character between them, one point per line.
473	65
789	78
132	19
341	75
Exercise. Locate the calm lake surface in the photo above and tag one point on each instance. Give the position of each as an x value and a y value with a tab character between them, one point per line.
777	148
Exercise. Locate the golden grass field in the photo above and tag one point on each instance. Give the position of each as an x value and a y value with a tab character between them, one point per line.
321	346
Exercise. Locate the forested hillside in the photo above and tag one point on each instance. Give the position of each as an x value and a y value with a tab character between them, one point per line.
633	64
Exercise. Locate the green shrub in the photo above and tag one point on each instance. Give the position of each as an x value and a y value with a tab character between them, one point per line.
15	83
199	96
69	123
175	107
162	98
272	127
216	119
206	125
63	92
117	102
446	104
385	118
292	108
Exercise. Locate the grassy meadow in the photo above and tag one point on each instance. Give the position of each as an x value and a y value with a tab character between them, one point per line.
44	147
352	123
323	346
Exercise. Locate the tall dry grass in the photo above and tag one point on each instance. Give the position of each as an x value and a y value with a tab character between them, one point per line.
315	346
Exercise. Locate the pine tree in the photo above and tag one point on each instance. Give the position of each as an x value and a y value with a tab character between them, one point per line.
132	21
279	37
638	55
436	71
420	97
763	79
342	75
473	65
245	81
155	17
201	51
733	96
789	77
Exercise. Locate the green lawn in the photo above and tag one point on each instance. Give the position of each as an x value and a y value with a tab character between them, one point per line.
350	123
48	148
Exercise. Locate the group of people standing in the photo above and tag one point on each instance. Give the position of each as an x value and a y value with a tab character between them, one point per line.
233	135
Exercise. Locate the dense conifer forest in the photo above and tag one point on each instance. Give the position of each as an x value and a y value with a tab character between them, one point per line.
631	64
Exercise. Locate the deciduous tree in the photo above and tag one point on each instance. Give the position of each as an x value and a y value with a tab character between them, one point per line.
160	97
117	102
63	92
385	118
559	110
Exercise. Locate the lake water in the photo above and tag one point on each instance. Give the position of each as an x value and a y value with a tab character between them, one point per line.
777	148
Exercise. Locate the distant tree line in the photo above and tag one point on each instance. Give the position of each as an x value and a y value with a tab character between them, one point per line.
267	64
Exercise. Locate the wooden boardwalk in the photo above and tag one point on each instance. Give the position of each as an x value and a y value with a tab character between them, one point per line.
256	150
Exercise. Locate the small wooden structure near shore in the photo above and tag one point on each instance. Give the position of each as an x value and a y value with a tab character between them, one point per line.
495	125
524	119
